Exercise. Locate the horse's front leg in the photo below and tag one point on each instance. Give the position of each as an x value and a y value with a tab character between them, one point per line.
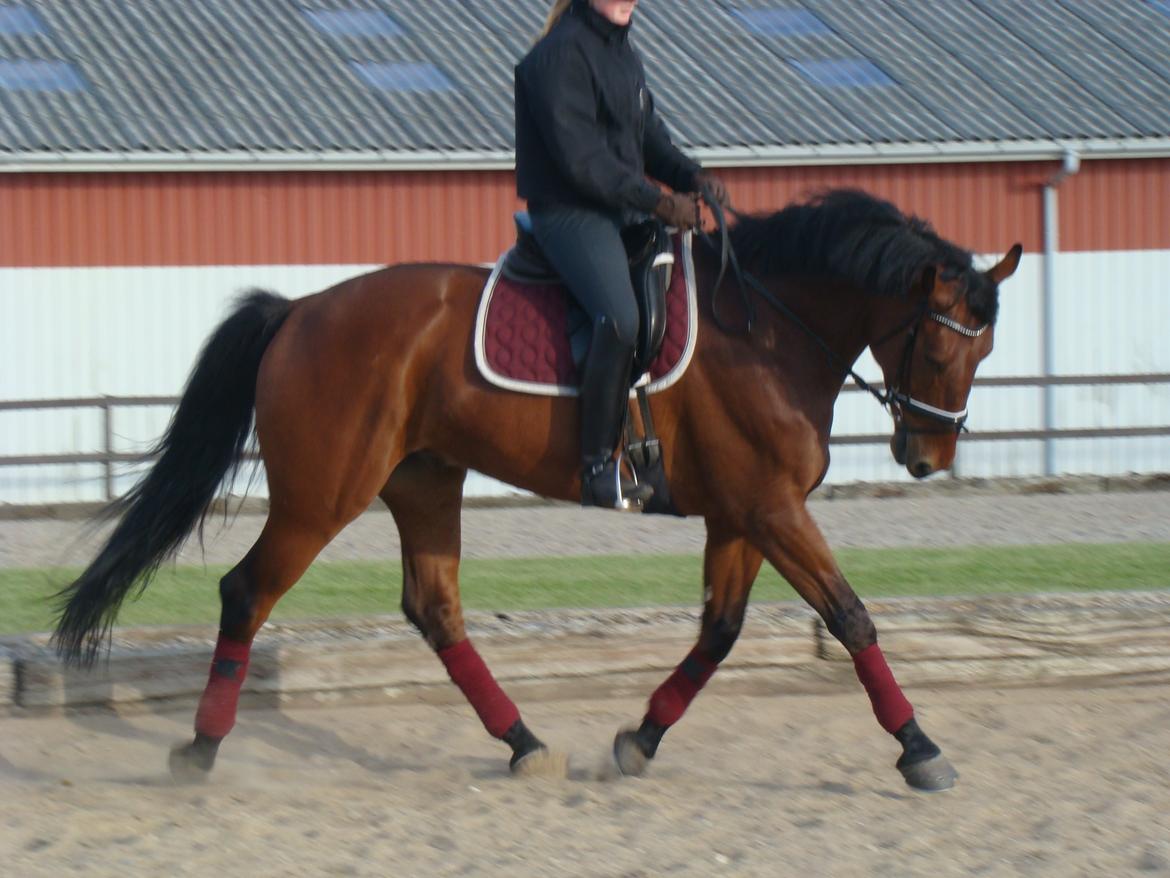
792	542
730	565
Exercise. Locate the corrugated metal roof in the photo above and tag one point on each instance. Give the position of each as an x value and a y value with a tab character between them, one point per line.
271	77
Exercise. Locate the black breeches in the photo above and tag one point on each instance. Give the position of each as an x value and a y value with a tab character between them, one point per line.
585	247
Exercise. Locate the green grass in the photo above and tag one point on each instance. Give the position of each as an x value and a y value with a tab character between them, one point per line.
187	595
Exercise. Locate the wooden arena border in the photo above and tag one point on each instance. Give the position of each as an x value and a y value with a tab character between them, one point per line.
1111	638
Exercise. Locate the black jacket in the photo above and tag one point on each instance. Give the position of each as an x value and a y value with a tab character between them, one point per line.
586	130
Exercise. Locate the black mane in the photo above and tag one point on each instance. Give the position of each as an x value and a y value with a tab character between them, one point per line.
851	235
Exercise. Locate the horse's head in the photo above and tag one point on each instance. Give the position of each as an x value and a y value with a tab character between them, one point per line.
929	361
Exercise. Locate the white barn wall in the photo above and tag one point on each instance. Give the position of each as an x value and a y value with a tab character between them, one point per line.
136	331
85	332
1113	315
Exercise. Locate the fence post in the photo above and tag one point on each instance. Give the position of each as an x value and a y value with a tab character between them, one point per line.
108	449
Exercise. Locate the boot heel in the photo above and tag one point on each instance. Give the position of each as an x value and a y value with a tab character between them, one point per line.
602	485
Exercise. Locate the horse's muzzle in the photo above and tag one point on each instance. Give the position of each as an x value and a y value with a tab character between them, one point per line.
918	460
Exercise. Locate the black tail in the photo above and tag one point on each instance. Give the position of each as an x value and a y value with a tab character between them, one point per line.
203	444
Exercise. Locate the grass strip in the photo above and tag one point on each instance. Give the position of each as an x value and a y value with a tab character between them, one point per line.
188	595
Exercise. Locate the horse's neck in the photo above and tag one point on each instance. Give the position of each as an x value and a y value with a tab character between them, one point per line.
826	331
835	319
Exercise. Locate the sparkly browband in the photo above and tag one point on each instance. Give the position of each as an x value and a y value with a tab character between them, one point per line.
957	326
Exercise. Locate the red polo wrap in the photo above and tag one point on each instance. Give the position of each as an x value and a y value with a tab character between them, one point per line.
670	700
475	681
217	708
889	704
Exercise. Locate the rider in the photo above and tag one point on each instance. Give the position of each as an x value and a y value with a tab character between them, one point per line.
586	136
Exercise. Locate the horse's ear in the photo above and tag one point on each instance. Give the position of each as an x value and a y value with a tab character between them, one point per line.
1007	266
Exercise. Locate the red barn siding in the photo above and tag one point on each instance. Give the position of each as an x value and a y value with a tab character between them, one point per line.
257	218
983	207
1117	206
252	218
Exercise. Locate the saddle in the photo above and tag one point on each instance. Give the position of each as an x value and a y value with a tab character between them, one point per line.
651	257
532	337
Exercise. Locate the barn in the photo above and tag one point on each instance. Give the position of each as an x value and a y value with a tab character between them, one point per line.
156	158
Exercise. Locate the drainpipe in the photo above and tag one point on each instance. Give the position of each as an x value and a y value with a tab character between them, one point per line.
1072	164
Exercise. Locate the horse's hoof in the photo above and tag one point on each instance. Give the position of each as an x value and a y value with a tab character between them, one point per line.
931	775
541	762
628	755
189	765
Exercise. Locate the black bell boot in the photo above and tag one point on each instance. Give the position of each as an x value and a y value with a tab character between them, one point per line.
605	387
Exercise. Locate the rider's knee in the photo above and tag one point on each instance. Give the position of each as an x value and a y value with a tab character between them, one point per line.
622	322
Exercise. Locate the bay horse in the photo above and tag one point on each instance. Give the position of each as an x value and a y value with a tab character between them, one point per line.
369	389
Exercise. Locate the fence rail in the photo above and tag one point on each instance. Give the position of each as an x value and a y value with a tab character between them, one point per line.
108	457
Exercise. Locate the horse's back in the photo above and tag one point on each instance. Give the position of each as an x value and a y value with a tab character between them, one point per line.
381	310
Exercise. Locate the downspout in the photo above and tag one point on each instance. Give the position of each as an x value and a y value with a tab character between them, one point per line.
1072	164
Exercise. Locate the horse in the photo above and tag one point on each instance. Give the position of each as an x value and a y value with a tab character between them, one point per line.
369	390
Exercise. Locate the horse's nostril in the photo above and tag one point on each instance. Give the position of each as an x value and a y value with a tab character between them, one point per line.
921	469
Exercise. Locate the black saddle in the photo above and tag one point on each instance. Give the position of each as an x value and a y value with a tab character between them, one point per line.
651	255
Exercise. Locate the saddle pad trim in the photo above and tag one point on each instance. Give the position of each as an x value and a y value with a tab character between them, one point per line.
481	360
502	381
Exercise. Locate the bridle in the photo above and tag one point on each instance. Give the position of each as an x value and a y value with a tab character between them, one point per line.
894	399
900	402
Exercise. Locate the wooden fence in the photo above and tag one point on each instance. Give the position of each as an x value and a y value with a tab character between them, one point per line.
108	457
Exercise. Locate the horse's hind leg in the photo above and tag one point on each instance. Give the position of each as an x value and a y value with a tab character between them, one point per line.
426	496
248	593
730	565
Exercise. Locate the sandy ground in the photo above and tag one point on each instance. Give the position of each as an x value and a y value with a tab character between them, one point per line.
998	519
1053	782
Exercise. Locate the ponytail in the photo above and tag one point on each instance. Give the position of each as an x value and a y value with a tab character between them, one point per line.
558	9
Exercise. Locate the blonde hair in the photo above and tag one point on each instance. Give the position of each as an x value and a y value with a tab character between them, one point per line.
558	9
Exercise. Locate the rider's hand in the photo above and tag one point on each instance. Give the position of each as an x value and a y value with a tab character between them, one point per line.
711	185
679	209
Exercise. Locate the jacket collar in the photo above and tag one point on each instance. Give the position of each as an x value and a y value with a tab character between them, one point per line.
605	28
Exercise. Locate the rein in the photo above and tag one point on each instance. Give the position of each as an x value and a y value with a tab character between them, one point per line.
894	399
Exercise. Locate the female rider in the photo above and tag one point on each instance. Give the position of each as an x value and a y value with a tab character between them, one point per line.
586	137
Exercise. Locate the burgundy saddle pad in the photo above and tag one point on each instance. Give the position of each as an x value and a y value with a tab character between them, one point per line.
522	333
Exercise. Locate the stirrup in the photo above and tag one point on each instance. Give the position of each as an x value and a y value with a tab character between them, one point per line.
604	486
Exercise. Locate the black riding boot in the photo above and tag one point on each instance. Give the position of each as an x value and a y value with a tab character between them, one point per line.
605	386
